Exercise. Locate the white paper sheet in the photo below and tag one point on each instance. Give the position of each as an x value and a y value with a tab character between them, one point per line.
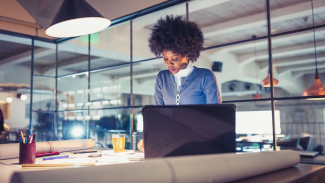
187	169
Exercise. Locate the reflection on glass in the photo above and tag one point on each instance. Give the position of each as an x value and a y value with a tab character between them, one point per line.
254	126
110	47
43	94
228	21
144	78
104	123
304	120
72	125
15	74
44	58
73	92
110	88
142	29
138	122
294	61
73	56
241	72
43	125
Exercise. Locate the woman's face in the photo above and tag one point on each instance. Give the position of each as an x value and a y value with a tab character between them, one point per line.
174	62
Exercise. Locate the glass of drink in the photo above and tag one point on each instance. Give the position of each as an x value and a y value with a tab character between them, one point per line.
118	141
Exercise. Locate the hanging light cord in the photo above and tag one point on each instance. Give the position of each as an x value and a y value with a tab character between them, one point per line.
312	9
255	62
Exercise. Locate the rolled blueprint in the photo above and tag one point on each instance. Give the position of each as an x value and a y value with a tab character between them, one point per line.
12	150
186	169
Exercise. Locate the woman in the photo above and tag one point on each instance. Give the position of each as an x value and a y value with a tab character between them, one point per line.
180	42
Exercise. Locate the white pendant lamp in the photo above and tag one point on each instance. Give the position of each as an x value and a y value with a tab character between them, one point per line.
23	97
76	18
9	99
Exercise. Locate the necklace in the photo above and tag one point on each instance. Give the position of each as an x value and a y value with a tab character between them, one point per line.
178	97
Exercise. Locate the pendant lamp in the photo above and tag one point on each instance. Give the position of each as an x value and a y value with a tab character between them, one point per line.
257	95
23	96
9	98
267	81
76	18
317	88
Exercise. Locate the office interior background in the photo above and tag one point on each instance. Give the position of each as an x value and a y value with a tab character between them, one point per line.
96	85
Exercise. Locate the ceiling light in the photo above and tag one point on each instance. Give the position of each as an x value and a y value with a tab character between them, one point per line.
23	97
267	81
316	89
257	96
274	30
9	99
76	18
306	18
77	132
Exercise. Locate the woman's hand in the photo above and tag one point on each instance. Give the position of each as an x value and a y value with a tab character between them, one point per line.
140	145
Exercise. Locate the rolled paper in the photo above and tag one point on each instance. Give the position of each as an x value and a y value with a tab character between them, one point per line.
186	169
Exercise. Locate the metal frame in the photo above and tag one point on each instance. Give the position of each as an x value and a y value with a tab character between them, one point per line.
27	36
31	89
56	93
131	83
271	69
141	13
89	87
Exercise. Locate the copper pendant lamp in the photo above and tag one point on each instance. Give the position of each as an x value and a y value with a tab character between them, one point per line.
317	88
267	81
76	18
257	95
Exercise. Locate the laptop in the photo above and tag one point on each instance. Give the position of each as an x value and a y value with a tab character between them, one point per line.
189	130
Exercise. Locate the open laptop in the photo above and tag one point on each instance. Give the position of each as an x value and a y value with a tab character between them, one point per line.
189	130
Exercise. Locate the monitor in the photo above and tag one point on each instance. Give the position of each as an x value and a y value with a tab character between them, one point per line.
189	130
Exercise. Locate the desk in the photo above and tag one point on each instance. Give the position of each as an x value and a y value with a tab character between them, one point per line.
301	173
7	167
320	159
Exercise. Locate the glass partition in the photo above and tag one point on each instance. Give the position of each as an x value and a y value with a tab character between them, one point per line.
88	94
228	21
304	120
110	47
73	56
15	77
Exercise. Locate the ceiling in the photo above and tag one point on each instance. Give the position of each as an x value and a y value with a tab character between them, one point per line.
42	12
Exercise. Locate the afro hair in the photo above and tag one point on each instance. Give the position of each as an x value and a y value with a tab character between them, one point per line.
177	35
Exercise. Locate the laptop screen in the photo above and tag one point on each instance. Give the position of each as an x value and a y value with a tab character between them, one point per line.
188	130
